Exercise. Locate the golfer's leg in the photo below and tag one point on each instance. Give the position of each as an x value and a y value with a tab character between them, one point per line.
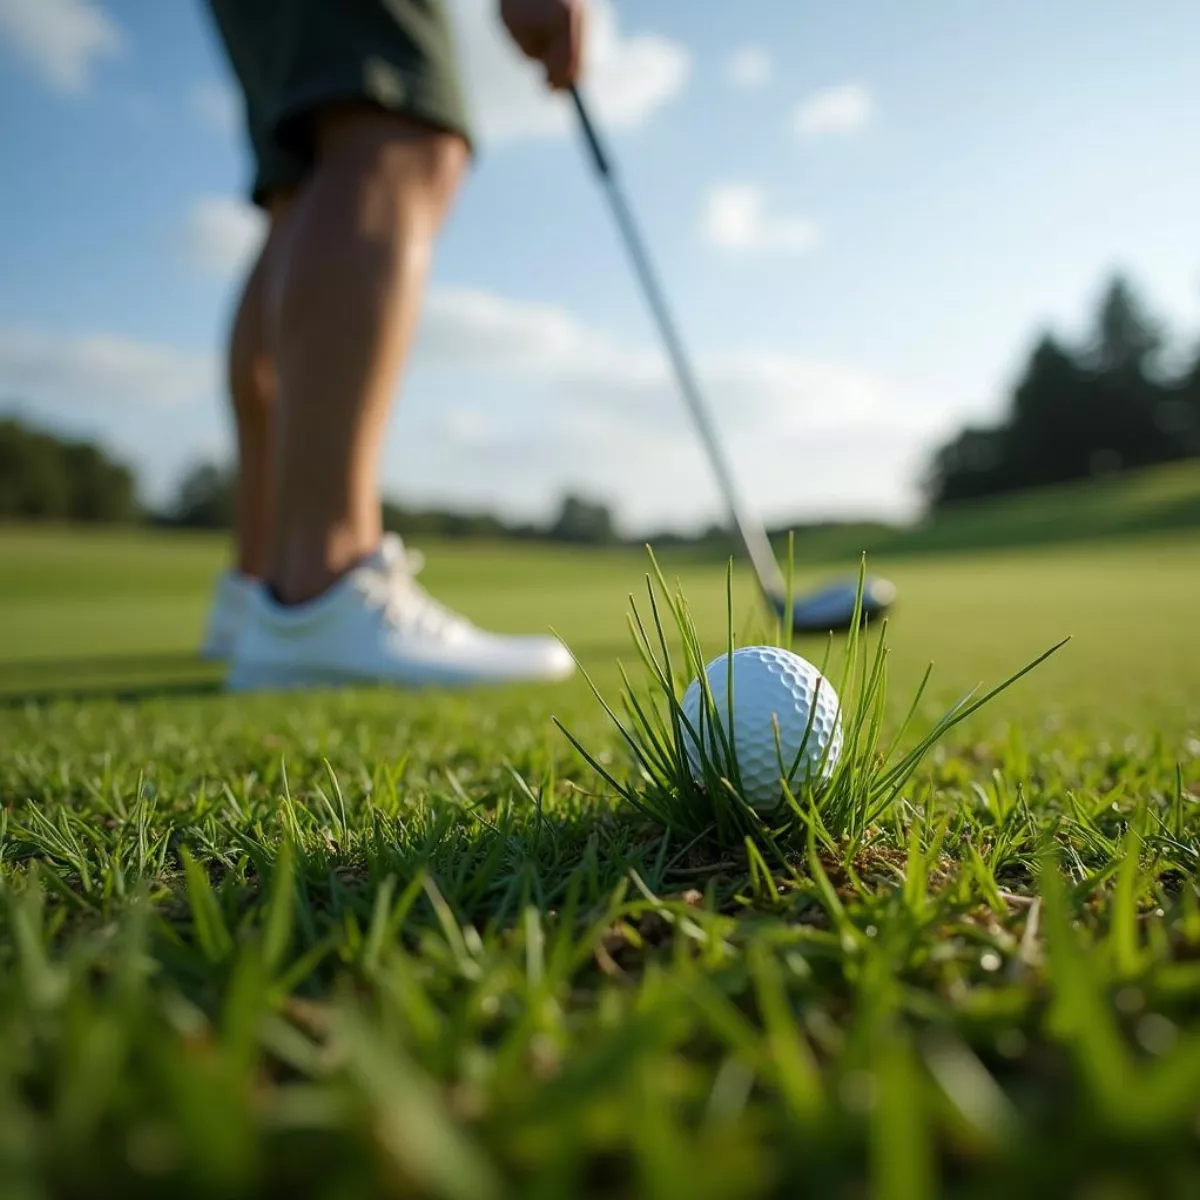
345	297
252	387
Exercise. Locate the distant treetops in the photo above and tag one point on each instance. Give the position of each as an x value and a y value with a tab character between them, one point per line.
1109	405
43	477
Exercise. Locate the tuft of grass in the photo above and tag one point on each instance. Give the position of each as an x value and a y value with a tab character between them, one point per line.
841	802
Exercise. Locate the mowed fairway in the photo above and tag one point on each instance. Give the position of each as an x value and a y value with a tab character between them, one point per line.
115	612
368	943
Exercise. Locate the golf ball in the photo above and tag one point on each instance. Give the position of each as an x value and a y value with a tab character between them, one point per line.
769	685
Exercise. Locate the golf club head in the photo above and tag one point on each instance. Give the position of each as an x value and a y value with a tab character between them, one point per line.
831	608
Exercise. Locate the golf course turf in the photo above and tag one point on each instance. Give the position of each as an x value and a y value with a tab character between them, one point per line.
364	942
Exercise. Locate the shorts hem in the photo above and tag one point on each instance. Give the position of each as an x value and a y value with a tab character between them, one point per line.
395	92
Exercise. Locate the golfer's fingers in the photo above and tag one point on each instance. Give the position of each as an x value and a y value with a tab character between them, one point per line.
557	61
563	58
531	42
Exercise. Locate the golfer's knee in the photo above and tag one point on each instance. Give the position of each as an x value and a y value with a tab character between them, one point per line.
390	153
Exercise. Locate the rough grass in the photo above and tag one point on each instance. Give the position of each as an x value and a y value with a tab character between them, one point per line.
366	943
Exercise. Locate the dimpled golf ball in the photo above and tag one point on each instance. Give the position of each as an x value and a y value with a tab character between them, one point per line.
768	682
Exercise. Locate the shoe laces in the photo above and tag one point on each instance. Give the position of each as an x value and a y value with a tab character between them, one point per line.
391	586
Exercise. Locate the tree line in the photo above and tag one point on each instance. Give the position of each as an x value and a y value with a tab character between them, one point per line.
43	477
47	478
1111	404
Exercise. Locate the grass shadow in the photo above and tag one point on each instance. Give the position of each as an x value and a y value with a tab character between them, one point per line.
128	678
122	693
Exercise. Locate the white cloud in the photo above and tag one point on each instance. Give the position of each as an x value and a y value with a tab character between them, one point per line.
40	368
736	218
627	75
63	39
217	103
748	67
465	326
467	426
842	109
222	234
580	408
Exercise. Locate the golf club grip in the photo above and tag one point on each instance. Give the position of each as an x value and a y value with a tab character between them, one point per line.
599	158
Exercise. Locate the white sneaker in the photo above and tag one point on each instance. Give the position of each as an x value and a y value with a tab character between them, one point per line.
230	598
378	625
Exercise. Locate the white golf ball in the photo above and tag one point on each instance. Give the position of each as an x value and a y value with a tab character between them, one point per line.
769	685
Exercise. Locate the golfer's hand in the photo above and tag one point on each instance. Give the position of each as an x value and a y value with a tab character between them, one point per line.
550	32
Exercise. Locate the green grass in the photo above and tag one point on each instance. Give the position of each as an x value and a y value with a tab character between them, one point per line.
361	943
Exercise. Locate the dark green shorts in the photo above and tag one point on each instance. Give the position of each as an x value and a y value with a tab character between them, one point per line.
294	56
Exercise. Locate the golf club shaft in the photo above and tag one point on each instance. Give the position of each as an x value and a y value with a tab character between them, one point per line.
751	530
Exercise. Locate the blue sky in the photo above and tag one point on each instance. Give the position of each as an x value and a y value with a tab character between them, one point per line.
864	213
